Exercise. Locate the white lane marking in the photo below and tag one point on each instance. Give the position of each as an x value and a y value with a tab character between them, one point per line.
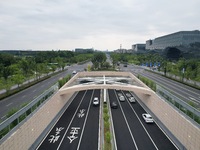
113	129
3	117
157	124
33	91
127	123
100	116
23	96
194	100
170	83
9	104
80	139
143	126
56	121
71	121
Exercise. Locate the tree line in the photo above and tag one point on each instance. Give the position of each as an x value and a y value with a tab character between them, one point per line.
185	68
15	69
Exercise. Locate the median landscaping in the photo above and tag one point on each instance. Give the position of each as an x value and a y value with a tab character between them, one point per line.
107	133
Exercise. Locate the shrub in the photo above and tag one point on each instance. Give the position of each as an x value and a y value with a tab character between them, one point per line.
106	117
108	137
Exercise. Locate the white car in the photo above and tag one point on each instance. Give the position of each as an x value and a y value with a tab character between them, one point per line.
74	72
128	94
96	101
120	94
131	99
121	98
147	118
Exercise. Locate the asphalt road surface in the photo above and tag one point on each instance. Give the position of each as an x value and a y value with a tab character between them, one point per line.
131	131
185	92
30	93
78	127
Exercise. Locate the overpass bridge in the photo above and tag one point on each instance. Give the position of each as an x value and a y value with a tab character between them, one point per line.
32	129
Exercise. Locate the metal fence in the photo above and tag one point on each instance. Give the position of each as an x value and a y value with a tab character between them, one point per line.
183	107
13	121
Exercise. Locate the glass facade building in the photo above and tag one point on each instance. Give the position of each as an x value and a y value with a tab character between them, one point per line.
181	38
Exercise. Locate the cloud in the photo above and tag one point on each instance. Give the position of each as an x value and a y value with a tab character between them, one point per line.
65	24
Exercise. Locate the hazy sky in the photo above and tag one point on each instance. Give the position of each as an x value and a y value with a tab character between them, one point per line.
101	24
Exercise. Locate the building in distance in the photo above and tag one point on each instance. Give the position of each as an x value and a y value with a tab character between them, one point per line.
82	50
177	39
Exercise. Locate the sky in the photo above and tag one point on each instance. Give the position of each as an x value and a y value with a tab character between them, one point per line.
98	24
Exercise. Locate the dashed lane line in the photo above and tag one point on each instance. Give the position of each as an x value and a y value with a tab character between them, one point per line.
71	121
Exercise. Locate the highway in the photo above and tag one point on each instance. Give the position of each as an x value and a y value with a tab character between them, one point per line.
185	92
30	93
130	129
78	128
131	132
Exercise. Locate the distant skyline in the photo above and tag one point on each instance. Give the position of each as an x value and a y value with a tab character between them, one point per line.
98	24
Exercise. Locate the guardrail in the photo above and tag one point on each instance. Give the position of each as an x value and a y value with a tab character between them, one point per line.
14	121
183	107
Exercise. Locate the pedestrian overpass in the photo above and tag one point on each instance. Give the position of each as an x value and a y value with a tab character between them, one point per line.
105	80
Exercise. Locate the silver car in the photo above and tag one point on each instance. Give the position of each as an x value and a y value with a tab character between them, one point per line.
121	98
131	99
128	94
147	118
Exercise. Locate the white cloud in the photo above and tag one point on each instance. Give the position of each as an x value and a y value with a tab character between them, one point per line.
102	24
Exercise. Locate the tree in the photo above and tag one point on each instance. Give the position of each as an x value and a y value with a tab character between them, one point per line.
18	79
88	67
98	59
25	67
6	59
6	72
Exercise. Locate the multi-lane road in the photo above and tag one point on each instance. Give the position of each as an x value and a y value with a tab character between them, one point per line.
79	126
30	93
185	92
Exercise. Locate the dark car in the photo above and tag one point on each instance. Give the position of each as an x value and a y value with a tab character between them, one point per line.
114	105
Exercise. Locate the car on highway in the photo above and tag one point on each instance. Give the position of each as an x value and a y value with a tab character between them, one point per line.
147	118
74	72
128	94
121	98
119	94
96	101
114	105
131	99
125	64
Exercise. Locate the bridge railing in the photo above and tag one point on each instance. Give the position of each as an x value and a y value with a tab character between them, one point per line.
183	107
11	123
